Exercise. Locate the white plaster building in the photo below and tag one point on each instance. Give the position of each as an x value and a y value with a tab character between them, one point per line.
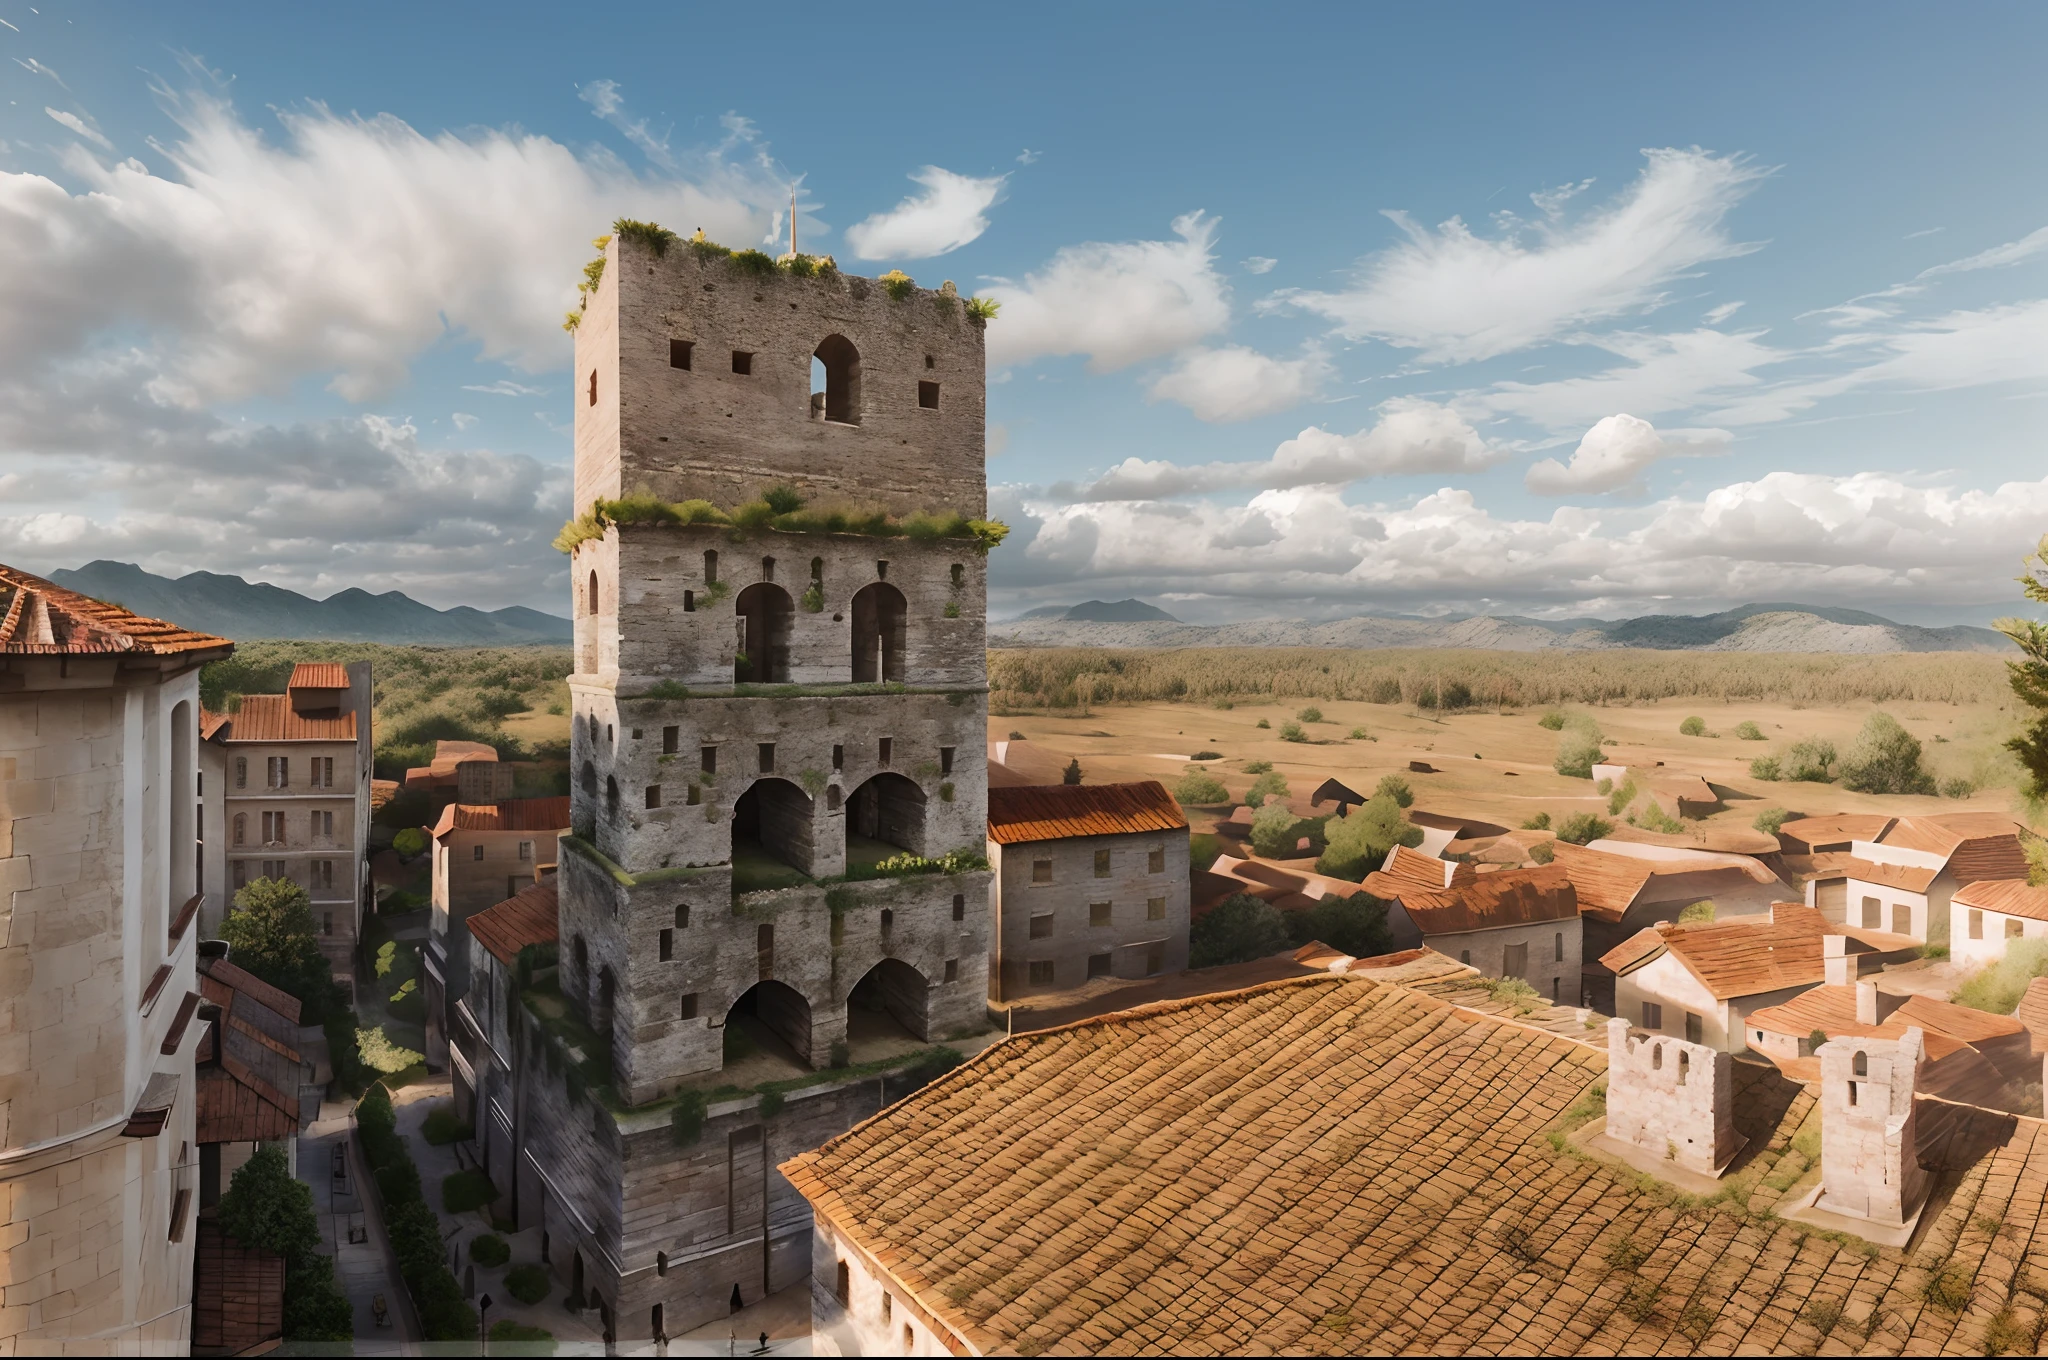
1988	916
1903	881
99	875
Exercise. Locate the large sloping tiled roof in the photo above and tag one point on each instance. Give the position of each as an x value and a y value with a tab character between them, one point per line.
1405	867
2012	896
318	675
1836	829
1824	865
530	916
1332	1166
39	617
1507	897
1047	812
514	814
1607	883
220	980
1944	833
250	1068
1833	1010
1747	957
237	1294
269	717
1911	877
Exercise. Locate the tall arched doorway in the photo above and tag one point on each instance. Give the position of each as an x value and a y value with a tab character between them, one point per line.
835	381
890	1003
771	828
770	1019
878	633
764	613
884	816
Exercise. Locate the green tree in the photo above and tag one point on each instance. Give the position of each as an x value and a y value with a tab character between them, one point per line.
271	932
1072	774
1748	731
1583	828
1275	831
1357	925
1810	761
2029	675
1237	930
1693	727
267	1208
1885	759
1397	788
1358	844
1200	788
1270	784
1770	819
410	842
1578	751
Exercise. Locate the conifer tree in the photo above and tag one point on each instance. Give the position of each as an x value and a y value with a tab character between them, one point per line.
2029	675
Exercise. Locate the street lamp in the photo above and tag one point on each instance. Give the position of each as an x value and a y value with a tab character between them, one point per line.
483	1325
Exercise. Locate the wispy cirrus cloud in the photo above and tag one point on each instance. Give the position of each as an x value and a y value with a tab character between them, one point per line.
952	211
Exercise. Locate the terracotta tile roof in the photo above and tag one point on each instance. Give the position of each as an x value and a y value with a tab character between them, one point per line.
2033	1013
269	717
318	675
1910	877
1944	833
1957	1022
1046	812
1824	865
449	754
1505	897
1405	867
1832	1009
2011	896
1748	958
211	723
530	916
514	814
1607	884
219	979
1836	829
237	1294
41	618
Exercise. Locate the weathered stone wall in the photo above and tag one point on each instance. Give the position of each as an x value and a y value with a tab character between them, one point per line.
336	900
1555	979
1672	1099
1869	1149
1129	888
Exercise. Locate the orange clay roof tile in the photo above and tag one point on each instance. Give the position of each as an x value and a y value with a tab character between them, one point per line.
269	717
1506	897
1911	877
514	814
1045	812
318	675
2010	896
1747	958
1836	829
39	617
530	916
1607	884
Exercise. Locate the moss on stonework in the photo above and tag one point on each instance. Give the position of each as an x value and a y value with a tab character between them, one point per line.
672	690
762	516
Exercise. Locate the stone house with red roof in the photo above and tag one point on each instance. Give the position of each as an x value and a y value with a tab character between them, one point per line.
1507	923
1091	881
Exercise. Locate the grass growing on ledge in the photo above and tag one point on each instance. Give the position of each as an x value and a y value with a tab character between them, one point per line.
782	510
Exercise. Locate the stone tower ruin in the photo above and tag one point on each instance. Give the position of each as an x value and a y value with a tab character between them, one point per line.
769	701
1869	1133
1672	1099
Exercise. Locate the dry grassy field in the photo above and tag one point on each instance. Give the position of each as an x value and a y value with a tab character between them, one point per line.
1494	763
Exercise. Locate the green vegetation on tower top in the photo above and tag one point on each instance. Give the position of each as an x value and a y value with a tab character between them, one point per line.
782	509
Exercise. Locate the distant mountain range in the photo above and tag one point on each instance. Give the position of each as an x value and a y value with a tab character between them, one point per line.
1098	611
1750	628
234	608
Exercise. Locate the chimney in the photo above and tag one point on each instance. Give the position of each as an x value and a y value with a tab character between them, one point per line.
1837	967
1874	1007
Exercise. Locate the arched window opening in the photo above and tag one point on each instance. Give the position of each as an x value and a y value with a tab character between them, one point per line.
879	611
818	569
764	614
590	596
589	778
241	828
832	798
959	575
1657	1057
767	568
611	794
772	841
835	381
768	1030
889	1003
1684	1066
884	816
1861	1066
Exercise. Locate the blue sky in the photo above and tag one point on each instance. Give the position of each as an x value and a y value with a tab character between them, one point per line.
1735	304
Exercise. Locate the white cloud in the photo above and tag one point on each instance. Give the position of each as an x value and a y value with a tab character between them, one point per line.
1615	453
1029	157
1117	302
1258	264
1997	257
34	67
81	127
1411	436
1236	383
1458	297
1717	315
463	420
1966	349
1680	371
505	387
345	250
952	211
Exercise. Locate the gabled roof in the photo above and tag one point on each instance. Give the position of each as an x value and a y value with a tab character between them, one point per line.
1910	877
1944	833
514	814
1509	897
1047	812
530	916
1832	1009
1332	790
1607	884
1836	829
1408	869
1748	958
318	675
220	980
269	717
249	1067
2012	896
1822	865
41	618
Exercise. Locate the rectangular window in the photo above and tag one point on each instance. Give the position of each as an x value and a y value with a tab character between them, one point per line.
688	1009
1155	863
326	923
683	916
679	354
839	757
1041	973
181	1204
1873	913
886	748
945	760
1976	924
591	400
707	759
1559	957
1695	1029
743	363
1556	990
952	970
1155	909
273	868
668	945
1041	871
1653	1015
767	754
241	772
1041	926
2012	928
322	772
654	795
1514	961
1098	913
526	850
888	1306
241	873
928	395
476	852
279	772
842	1285
273	828
323	873
1098	965
693	798
959	906
1102	864
671	740
327	825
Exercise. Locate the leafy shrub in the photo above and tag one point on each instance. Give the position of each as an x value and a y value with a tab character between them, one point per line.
1237	930
1258	767
1770	819
1540	822
1583	828
1275	831
1998	987
1765	768
1291	731
1693	727
1619	800
1356	925
771	1104
466	1190
1262	723
1203	849
1311	714
1812	761
1947	1289
528	1283
1206	755
398	1183
442	1127
410	842
1578	751
1957	786
1651	817
897	284
381	1055
398	902
983	308
517	1338
1397	788
1360	734
1543	852
1553	721
1200	788
1748	731
1885	759
686	1120
350	1076
1359	843
489	1249
1698	914
1271	784
265	1206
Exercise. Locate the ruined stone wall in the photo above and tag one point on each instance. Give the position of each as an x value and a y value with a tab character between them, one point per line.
1869	1131
1672	1099
1069	940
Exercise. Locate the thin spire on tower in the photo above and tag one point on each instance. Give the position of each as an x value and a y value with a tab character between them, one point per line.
792	219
